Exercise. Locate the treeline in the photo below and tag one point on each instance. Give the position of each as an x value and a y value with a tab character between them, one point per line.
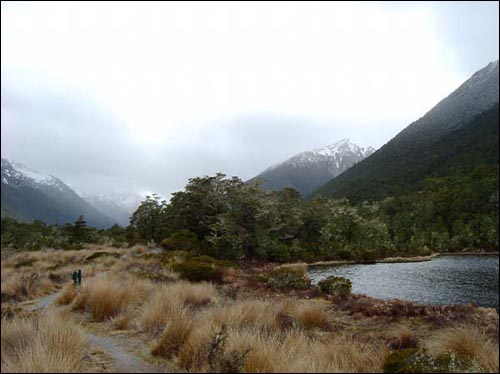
38	235
229	219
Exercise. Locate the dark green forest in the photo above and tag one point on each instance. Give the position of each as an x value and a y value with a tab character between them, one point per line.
229	219
402	165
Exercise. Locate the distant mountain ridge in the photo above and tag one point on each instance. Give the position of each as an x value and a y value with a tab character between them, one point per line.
467	120
28	195
308	170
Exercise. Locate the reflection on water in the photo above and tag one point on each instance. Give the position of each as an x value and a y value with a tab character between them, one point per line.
444	280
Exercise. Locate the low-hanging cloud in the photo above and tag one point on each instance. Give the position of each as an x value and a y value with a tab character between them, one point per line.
142	97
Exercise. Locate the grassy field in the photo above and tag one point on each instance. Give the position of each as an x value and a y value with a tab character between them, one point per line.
241	322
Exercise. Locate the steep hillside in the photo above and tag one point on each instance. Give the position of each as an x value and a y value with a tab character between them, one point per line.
457	135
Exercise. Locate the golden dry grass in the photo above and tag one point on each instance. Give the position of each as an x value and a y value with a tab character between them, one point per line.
68	294
193	294
251	312
311	315
254	350
108	296
193	354
174	335
159	310
48	343
469	342
183	319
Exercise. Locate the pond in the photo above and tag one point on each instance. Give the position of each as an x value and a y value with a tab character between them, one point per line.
443	280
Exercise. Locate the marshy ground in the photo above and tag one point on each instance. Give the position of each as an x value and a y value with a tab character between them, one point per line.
135	313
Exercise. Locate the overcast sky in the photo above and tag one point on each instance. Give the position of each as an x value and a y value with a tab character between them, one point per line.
143	96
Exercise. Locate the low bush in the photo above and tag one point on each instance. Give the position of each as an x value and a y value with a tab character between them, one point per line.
411	360
199	269
289	278
337	286
182	240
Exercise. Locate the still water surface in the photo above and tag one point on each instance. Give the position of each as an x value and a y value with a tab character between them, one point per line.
444	280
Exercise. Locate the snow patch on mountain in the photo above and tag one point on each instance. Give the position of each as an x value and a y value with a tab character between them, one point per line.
32	174
16	173
334	153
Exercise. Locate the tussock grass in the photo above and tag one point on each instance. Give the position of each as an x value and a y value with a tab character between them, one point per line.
468	342
159	310
48	343
403	338
108	296
245	313
174	335
311	315
194	294
25	284
123	321
172	301
193	353
68	294
254	350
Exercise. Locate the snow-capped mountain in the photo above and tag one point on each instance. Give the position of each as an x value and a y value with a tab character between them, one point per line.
308	170
119	206
28	195
17	174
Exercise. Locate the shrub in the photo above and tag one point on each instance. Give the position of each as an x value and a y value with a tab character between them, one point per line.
197	271
469	344
412	360
289	278
182	240
337	286
344	254
367	256
409	360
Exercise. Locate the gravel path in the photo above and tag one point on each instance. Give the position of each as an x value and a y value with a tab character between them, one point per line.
124	361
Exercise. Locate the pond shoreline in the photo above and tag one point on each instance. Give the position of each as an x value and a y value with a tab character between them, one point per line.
449	279
389	260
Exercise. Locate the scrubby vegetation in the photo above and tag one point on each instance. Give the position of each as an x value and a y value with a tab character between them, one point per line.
214	299
228	219
35	345
339	286
237	325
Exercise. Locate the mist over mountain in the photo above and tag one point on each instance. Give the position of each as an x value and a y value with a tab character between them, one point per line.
118	206
308	170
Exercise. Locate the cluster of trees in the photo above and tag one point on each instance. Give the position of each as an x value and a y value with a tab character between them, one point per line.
229	219
226	218
38	235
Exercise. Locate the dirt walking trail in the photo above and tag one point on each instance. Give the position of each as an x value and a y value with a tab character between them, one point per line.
116	350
